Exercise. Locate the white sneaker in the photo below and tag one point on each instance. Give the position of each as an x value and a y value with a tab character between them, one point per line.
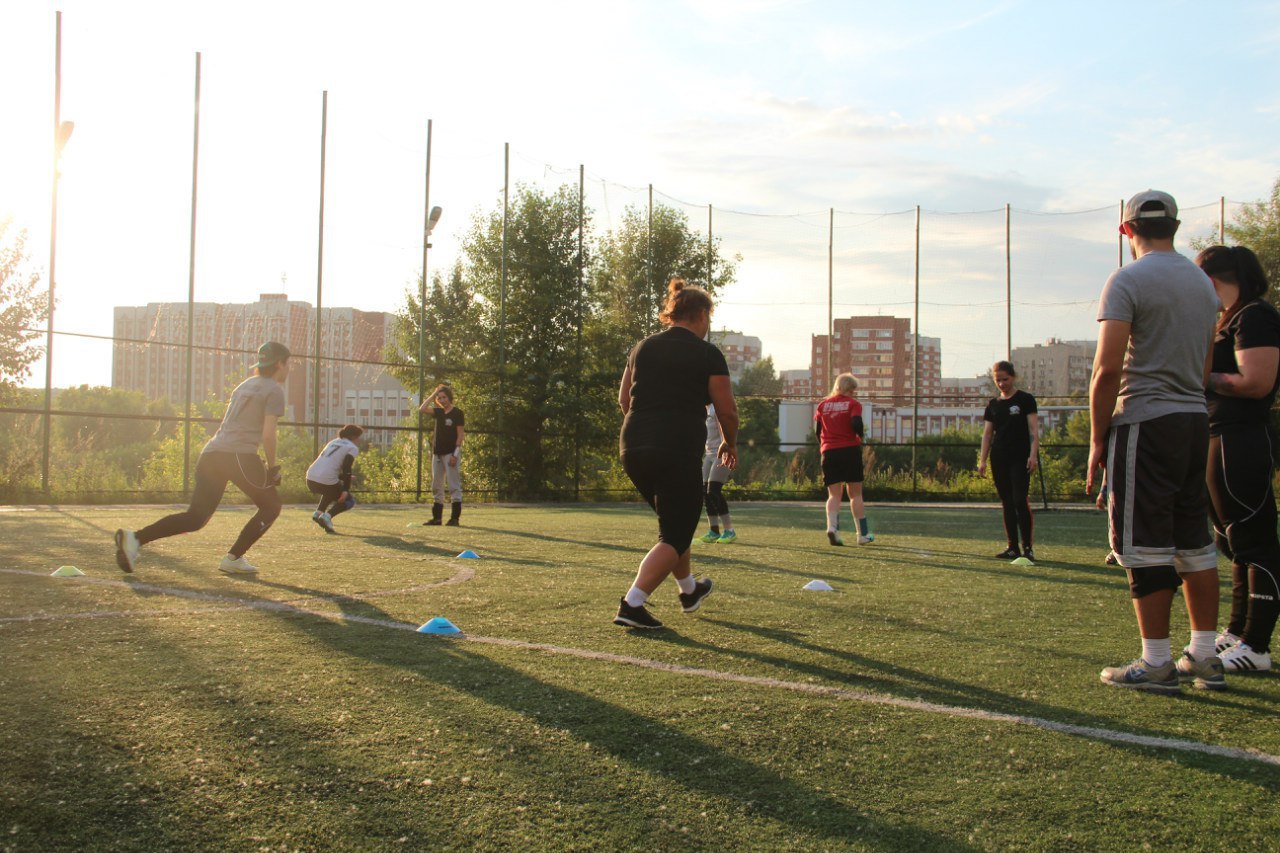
326	521
127	548
1241	658
237	566
866	540
1224	641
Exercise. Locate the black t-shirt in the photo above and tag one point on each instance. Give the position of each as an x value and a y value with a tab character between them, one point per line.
446	429
669	374
1257	324
1012	434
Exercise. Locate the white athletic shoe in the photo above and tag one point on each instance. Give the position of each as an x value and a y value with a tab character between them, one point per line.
127	548
1224	641
866	540
237	566
1241	658
326	521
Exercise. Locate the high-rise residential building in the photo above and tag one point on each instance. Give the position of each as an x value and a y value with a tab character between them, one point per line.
797	385
1056	370
880	353
225	338
740	351
968	391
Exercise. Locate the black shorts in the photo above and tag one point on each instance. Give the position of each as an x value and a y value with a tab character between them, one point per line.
842	465
1158	504
672	485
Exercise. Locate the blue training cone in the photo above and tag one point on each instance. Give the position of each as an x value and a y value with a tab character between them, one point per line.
439	625
468	555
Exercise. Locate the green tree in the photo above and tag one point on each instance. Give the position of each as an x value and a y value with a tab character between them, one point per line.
1257	226
758	390
22	308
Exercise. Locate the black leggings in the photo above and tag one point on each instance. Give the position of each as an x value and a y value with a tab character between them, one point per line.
1243	509
1013	484
214	470
672	485
329	495
715	502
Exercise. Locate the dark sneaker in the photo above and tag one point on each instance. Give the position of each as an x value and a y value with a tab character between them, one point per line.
435	522
1205	674
453	522
1029	554
126	550
693	600
1141	675
1009	554
634	617
834	538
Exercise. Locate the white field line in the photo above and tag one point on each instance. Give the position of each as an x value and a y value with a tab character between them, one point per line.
841	693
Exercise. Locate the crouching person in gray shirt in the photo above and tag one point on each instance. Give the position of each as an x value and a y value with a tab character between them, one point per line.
231	456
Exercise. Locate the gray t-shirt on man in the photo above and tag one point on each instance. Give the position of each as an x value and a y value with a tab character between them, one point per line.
1172	308
241	427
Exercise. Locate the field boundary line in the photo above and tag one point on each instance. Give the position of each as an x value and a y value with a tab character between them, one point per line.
842	693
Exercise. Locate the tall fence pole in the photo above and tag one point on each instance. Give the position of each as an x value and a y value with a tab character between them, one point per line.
831	317
58	140
502	308
648	266
577	421
710	250
1222	219
1008	283
315	407
422	312
1120	241
915	365
191	293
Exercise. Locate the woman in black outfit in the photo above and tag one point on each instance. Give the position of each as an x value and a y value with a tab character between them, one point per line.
1011	437
669	380
1242	389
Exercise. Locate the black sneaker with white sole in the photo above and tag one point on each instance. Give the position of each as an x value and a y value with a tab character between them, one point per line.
634	617
1009	553
693	600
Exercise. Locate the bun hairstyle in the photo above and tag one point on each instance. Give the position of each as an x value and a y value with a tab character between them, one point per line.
1004	367
684	302
1235	265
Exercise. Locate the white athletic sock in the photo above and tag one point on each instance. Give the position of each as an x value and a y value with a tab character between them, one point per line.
1157	652
833	519
636	596
1202	644
687	585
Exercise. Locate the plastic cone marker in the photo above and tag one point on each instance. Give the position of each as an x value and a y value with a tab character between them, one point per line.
819	586
468	555
1021	561
67	572
439	625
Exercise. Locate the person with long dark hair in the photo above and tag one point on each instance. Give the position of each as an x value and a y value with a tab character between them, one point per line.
231	456
669	379
1011	438
1242	446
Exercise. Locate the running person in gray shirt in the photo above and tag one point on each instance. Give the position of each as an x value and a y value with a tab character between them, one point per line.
231	456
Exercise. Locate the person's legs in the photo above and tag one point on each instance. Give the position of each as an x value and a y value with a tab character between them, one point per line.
212	473
1020	480
438	476
453	475
834	493
251	477
1004	488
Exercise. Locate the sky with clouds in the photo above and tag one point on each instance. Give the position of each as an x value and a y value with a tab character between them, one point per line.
774	112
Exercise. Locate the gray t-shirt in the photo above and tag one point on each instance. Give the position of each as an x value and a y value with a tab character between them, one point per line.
1172	309
241	427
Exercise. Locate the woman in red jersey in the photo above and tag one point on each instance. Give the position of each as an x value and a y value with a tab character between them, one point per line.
840	431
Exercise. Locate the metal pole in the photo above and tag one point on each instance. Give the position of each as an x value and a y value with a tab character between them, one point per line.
577	420
648	267
1008	284
831	317
53	253
1120	244
710	245
915	366
422	312
502	308
315	410
1222	219
191	293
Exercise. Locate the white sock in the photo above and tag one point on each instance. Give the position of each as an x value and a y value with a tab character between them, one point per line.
833	518
1157	652
1202	644
636	596
687	584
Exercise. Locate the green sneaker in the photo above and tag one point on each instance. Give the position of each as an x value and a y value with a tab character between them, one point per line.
709	537
1140	675
727	536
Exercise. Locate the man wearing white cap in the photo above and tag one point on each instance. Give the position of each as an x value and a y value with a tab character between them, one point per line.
1149	429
